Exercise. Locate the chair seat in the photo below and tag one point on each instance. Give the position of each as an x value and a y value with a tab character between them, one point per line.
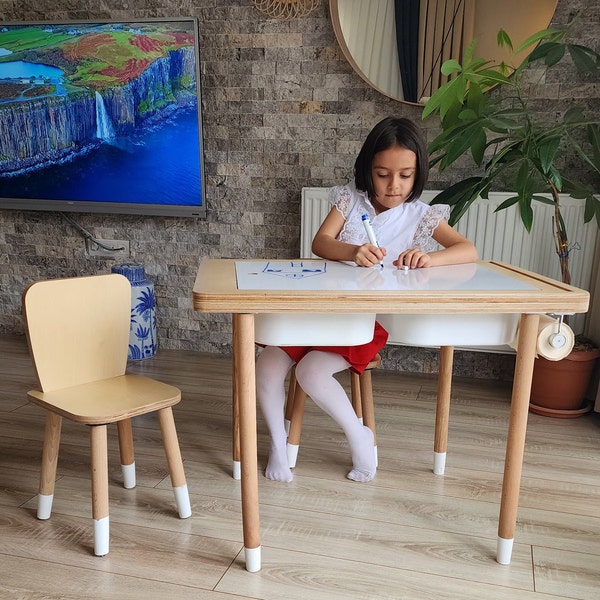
108	400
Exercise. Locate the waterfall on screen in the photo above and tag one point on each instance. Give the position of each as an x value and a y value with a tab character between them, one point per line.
104	128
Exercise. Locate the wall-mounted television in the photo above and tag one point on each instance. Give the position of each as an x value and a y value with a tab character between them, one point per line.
101	117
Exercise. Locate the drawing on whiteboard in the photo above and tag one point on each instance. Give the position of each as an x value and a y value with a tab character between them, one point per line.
296	269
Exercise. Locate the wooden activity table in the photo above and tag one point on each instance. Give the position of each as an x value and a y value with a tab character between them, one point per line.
305	291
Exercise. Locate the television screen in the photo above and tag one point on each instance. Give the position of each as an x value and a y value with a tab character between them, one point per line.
101	117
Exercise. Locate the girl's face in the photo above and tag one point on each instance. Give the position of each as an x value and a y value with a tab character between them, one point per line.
393	172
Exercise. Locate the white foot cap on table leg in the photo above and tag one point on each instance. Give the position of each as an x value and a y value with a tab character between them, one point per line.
128	476
439	463
44	506
237	469
292	454
101	535
252	559
504	551
182	499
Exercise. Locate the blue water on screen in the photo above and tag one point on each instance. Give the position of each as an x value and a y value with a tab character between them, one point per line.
159	165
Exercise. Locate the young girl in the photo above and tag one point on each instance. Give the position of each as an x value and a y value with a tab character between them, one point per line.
390	173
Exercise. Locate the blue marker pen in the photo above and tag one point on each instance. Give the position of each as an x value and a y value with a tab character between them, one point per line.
370	233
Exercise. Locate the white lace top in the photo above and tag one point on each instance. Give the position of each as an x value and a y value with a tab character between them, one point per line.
409	225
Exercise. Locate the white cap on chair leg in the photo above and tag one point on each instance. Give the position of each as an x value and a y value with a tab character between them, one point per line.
253	559
439	463
44	506
504	550
101	536
128	476
292	454
237	469
182	499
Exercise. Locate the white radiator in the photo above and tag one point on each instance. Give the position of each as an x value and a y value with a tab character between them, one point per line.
497	236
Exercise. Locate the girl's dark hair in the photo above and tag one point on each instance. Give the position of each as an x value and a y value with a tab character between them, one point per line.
392	131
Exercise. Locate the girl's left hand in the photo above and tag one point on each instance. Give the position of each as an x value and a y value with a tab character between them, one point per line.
413	259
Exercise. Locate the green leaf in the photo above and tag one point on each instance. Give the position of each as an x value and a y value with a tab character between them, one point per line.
453	91
450	101
584	59
543	199
547	149
523	176
593	160
471	136
476	100
555	178
500	123
489	77
593	132
526	211
553	34
592	208
550	52
461	195
451	66
503	39
478	146
574	115
470	50
507	203
468	115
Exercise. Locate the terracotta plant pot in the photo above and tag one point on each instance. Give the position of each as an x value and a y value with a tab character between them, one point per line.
558	387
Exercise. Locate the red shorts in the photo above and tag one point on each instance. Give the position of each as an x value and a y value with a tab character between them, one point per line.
358	356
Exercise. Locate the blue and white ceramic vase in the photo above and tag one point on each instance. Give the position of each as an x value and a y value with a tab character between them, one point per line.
143	340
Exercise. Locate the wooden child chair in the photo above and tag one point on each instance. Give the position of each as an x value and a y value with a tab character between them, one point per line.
78	335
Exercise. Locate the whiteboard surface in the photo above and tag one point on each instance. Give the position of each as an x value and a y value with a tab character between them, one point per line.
308	274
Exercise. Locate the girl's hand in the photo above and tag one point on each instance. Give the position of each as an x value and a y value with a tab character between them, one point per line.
413	259
368	255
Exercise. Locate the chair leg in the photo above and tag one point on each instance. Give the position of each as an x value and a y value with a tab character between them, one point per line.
289	403
362	401
355	392
293	442
126	451
49	463
174	461
368	406
99	461
442	413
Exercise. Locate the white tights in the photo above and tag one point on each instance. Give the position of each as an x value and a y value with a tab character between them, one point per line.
315	374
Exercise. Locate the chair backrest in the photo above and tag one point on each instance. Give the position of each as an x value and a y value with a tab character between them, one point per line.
78	329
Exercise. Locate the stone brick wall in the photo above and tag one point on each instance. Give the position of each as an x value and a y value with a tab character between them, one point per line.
282	109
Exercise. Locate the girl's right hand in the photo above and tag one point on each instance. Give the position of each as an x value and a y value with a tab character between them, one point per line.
368	255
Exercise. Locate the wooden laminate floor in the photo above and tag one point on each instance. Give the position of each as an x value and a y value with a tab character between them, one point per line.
407	535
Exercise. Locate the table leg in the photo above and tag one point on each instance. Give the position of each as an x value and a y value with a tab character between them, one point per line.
235	419
245	390
442	412
515	443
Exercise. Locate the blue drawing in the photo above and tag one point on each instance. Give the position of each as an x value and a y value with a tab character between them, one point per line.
297	269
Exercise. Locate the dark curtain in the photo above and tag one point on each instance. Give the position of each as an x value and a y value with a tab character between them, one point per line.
407	38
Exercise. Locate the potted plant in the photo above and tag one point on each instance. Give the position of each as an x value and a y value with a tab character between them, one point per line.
487	111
